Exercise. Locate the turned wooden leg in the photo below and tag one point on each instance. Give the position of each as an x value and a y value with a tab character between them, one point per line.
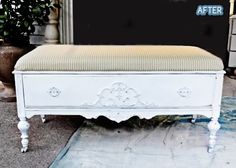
43	118
213	127
23	126
194	118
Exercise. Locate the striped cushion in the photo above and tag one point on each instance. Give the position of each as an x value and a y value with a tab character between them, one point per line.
118	58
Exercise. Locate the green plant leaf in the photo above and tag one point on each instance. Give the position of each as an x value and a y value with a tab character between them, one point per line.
17	17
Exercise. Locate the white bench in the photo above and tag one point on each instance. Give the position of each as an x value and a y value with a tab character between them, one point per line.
118	82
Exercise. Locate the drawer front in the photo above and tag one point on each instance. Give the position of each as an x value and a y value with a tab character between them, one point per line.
125	91
233	43
232	59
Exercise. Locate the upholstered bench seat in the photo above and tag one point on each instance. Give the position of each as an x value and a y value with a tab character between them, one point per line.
118	82
118	58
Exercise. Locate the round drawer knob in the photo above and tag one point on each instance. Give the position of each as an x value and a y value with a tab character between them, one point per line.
184	92
54	92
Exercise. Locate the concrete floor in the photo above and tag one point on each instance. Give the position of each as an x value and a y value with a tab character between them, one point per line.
229	88
46	140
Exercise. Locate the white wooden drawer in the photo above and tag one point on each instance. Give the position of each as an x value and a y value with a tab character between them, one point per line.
232	59
233	43
124	91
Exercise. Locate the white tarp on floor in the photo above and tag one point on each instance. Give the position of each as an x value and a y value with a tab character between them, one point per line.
178	145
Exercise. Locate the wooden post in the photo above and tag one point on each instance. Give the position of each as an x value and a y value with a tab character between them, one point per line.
51	31
231	7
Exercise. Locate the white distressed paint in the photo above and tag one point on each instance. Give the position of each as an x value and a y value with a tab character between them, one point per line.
119	95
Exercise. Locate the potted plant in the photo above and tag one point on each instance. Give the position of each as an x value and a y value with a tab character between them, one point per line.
17	20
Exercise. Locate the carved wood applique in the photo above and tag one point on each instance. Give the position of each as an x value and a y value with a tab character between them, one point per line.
119	95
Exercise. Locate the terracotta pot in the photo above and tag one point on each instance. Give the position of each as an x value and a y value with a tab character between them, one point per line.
8	58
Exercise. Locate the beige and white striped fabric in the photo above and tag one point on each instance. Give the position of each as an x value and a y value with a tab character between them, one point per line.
118	58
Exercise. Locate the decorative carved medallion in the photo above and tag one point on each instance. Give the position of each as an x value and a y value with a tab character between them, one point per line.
184	92
54	92
118	96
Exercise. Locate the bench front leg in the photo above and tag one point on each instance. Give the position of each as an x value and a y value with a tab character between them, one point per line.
213	127
23	126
